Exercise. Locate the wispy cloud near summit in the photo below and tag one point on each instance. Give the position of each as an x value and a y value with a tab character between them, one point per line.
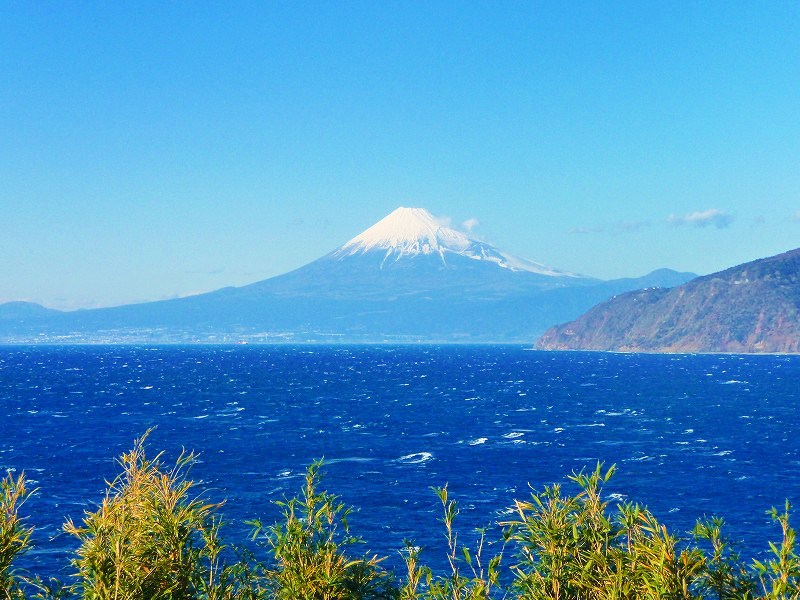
470	224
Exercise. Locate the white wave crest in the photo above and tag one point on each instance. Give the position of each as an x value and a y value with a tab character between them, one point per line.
416	458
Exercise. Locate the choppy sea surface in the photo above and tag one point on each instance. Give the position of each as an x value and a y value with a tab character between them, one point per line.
692	435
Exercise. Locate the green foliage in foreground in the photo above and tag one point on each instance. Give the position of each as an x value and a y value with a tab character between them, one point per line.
14	535
154	537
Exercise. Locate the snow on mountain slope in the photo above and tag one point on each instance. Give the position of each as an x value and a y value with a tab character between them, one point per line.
409	232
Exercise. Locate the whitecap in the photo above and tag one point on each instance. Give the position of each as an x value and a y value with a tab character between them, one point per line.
415	458
513	434
478	441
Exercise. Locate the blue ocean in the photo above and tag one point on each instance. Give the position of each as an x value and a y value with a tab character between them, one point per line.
692	435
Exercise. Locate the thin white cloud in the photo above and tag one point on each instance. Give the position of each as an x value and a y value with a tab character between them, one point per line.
466	227
445	221
796	217
703	218
612	228
623	226
586	230
470	224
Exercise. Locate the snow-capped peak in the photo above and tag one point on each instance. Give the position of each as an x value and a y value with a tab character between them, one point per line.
408	232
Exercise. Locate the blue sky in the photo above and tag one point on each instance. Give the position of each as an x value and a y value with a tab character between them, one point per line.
150	150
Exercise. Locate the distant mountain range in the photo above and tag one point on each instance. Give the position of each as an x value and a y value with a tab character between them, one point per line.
754	307
407	278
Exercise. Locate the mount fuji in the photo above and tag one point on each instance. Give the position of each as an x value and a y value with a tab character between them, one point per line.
413	232
408	278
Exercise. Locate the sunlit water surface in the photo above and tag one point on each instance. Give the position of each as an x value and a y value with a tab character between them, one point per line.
691	435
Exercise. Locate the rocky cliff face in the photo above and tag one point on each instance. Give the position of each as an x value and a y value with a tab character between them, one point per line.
753	307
